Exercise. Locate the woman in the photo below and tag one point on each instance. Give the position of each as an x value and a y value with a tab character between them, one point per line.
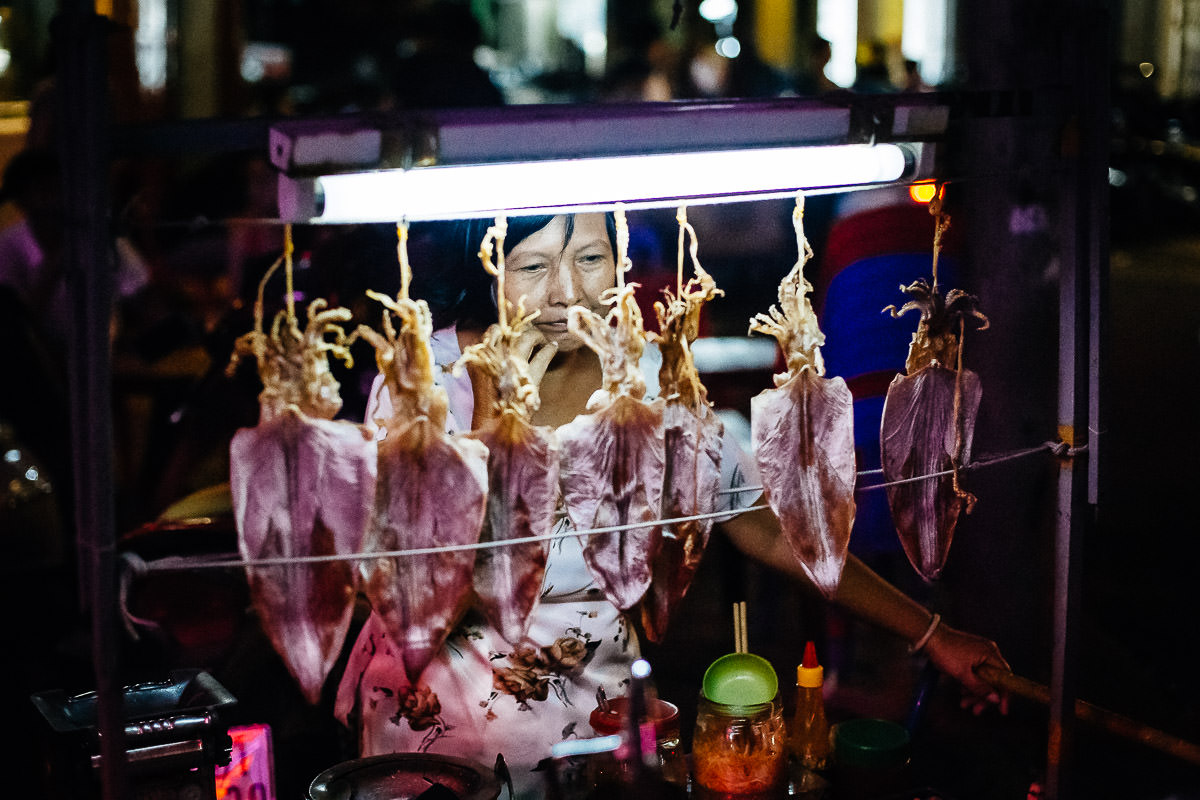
481	696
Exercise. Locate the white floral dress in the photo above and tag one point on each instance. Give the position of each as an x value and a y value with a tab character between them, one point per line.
480	696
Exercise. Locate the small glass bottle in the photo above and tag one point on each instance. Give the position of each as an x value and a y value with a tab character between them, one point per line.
808	739
809	742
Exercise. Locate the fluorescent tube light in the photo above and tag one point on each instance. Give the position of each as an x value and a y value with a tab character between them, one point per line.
555	186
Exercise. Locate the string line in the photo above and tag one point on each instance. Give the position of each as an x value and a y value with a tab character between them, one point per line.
175	563
181	562
1058	448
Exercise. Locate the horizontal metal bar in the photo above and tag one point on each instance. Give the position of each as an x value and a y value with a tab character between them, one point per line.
513	134
188	749
169	726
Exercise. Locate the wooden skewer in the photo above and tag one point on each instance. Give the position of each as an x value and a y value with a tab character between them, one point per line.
741	642
1108	720
745	629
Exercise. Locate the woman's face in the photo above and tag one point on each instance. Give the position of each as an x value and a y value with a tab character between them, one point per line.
552	276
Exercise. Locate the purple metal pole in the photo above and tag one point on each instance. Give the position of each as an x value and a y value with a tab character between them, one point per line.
81	127
1084	264
1062	668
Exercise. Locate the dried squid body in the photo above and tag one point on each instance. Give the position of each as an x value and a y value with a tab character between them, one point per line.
430	493
612	470
803	434
927	428
692	434
691	481
522	466
613	456
918	438
522	497
302	485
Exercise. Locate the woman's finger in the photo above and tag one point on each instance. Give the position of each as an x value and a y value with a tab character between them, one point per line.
540	361
527	341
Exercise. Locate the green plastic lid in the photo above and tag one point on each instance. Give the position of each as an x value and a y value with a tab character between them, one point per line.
740	679
870	743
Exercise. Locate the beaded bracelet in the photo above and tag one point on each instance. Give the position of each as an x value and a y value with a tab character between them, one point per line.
919	644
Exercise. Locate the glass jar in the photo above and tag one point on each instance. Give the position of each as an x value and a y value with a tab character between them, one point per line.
739	752
664	716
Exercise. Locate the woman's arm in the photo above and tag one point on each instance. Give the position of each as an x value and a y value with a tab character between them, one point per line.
869	597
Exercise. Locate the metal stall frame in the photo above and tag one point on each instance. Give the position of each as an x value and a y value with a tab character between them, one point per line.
307	147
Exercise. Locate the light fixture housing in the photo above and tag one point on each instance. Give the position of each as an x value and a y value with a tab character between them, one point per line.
552	159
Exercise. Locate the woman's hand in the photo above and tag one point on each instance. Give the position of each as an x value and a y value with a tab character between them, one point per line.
533	349
957	653
537	352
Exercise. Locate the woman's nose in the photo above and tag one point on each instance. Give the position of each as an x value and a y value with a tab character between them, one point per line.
562	284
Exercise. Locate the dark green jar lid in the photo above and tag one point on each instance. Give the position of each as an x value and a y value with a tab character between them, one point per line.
870	743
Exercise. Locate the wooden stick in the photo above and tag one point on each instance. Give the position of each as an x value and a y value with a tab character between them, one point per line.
745	633
1108	720
741	641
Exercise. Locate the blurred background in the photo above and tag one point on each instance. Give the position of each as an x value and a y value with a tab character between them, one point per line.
193	230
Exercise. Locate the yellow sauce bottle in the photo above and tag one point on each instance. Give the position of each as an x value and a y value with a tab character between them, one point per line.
808	739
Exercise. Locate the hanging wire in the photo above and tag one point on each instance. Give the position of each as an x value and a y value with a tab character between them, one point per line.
402	257
940	225
289	249
624	263
176	563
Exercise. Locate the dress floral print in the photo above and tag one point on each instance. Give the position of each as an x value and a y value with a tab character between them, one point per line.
421	708
534	670
529	673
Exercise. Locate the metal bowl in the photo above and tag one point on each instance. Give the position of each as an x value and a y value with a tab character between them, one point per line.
404	776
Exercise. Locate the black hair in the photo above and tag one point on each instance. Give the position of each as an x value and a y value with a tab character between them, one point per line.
475	306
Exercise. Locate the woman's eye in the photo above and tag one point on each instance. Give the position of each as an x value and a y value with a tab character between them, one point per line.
528	268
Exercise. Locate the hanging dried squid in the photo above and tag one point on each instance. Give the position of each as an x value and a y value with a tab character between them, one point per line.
522	466
692	435
803	432
612	456
302	485
928	420
431	489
